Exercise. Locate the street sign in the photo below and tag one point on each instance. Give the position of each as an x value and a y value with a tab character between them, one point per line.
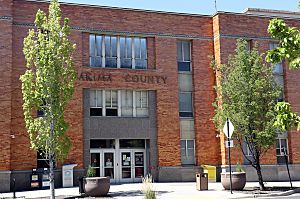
229	143
231	128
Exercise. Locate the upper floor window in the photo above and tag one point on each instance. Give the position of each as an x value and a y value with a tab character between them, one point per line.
185	104
118	52
141	103
184	55
278	73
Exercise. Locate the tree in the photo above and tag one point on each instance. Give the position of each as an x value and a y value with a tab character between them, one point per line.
48	84
247	94
289	49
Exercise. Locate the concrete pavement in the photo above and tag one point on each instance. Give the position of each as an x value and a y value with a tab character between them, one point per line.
163	190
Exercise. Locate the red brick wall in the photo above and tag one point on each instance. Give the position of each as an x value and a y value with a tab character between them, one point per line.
161	62
207	144
255	28
161	31
5	82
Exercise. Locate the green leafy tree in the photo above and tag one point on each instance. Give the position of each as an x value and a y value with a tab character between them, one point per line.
288	49
247	94
48	84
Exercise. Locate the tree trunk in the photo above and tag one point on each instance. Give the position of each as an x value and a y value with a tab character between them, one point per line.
259	175
51	162
51	176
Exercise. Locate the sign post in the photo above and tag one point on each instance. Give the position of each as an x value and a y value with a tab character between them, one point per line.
228	130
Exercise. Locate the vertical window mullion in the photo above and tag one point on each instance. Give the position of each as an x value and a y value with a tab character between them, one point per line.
133	53
119	52
182	48
103	51
134	104
186	148
119	102
104	103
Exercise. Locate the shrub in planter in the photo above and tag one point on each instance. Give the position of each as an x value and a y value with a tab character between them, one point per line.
96	186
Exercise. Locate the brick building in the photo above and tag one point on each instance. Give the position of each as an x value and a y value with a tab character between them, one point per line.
144	94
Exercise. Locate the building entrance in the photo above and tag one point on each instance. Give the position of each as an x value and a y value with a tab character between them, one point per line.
119	164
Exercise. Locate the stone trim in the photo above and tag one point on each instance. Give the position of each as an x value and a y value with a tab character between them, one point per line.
125	33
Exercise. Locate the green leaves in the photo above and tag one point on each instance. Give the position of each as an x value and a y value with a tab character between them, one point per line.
48	83
286	118
289	43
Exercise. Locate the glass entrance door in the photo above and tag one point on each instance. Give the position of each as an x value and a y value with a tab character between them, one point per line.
103	162
139	165
132	165
126	164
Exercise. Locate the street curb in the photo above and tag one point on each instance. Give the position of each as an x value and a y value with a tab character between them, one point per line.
286	193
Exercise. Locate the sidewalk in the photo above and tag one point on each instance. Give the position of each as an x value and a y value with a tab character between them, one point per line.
164	191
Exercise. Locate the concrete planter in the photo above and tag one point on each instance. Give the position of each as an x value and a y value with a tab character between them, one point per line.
238	180
96	186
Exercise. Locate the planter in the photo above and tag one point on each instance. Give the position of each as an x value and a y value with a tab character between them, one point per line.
238	180
96	186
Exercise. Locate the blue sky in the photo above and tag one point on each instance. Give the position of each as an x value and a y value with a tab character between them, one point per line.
195	6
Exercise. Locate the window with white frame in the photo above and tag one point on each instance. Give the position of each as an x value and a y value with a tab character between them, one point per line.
118	52
187	148
185	104
184	55
141	100
126	52
282	150
111	103
278	74
122	103
96	103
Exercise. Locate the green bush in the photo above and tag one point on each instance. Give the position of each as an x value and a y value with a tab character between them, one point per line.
90	172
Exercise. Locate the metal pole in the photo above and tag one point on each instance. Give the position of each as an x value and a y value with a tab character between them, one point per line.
287	166
14	186
229	155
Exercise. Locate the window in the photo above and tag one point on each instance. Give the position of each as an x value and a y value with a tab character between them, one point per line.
185	104
184	55
110	52
42	160
132	143
278	74
98	143
248	153
96	105
141	100
185	82
111	103
126	52
125	103
187	148
282	150
249	45
140	52
118	52
187	129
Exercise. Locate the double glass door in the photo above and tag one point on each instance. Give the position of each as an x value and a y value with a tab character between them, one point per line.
132	165
123	165
103	161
